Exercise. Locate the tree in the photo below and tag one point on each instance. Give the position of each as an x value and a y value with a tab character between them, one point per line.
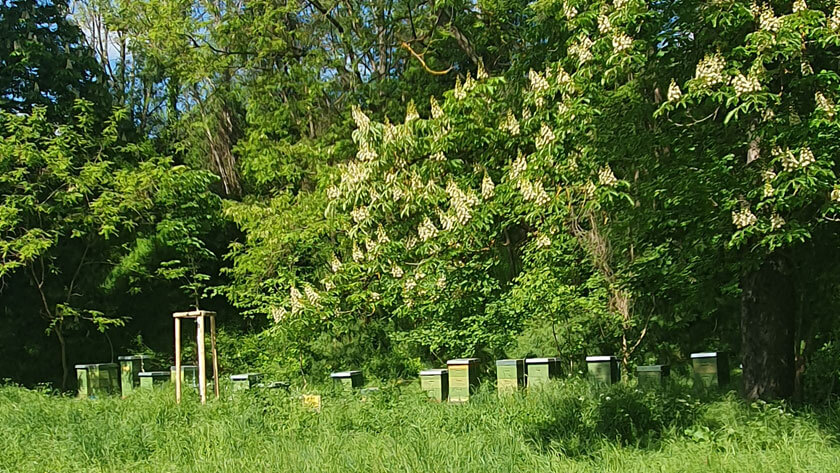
45	61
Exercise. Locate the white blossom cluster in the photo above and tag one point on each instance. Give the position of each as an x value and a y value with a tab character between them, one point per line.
789	161
621	42
358	256
776	221
395	134
382	236
835	194
799	6
768	190
371	247
328	285
543	241
427	229
604	24
410	242
438	157
362	120
834	19
805	68
278	314
767	19
743	218
562	77
461	91
806	157
545	138
519	165
569	11
396	271
441	282
745	85
447	222
481	73
769	176
589	189
674	92
411	112
619	4
354	172
461	202
359	214
487	187
410	284
335	264
538	83
366	152
510	124
709	70
296	299
534	191
582	49
437	112
606	177
311	295
825	104
333	192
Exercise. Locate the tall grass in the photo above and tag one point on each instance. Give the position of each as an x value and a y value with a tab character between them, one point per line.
566	427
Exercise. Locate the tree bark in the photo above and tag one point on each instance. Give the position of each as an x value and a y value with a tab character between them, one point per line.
768	313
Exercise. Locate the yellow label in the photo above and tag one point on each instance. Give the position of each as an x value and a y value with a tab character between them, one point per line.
312	401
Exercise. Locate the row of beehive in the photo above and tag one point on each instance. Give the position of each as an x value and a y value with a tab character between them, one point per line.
460	378
100	379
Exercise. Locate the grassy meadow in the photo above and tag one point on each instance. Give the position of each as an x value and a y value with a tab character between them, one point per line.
565	427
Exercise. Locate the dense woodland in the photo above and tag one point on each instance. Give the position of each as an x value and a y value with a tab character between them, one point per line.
387	184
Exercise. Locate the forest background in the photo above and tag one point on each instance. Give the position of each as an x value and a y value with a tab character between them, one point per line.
387	184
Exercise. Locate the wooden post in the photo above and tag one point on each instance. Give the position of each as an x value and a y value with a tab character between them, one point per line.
202	358
199	316
178	360
215	355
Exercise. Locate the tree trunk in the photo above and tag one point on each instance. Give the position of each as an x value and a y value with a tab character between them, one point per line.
768	308
63	345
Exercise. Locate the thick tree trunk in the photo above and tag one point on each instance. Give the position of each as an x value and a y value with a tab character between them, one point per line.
768	308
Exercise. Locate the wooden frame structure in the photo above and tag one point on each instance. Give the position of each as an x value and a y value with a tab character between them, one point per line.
199	316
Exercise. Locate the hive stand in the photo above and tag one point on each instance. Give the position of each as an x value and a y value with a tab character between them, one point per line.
199	316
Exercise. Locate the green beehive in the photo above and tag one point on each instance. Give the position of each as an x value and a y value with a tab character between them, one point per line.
711	370
242	382
510	375
541	370
189	376
652	376
153	379
349	380
97	380
603	369
463	378
435	383
130	368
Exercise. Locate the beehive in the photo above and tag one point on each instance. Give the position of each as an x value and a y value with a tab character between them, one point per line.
541	370
130	368
652	376
603	369
245	381
97	380
711	369
189	375
435	383
349	380
153	379
510	375
463	378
